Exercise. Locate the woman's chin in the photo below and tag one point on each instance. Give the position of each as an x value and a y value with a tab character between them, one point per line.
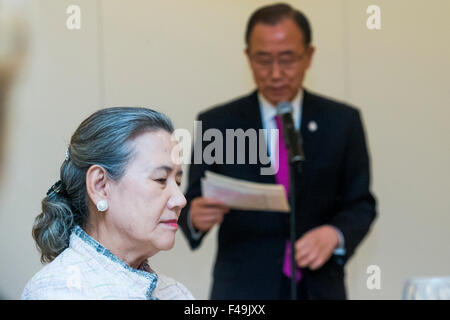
165	246
162	240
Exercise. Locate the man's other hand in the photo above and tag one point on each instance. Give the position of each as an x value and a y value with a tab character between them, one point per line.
315	247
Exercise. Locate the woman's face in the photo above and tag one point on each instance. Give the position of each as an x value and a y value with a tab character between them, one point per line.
144	205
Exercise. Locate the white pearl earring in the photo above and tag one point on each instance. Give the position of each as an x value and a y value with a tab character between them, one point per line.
102	205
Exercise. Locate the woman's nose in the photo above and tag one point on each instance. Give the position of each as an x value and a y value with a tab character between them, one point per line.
177	200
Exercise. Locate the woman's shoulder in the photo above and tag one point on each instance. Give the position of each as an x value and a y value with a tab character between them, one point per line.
170	289
58	279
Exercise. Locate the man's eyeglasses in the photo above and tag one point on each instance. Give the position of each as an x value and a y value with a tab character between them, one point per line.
285	62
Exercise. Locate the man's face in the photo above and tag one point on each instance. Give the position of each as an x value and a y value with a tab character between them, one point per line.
279	59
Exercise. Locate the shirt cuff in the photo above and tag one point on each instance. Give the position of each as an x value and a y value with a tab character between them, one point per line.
340	250
196	234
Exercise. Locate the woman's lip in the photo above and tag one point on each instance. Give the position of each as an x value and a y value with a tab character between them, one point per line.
172	223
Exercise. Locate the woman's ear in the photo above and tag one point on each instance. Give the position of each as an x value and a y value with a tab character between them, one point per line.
97	184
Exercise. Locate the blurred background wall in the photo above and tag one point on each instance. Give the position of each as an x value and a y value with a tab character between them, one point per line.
181	57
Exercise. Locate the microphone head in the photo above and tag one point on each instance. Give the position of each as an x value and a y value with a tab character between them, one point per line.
284	108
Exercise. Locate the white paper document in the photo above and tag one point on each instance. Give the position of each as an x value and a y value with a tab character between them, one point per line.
244	195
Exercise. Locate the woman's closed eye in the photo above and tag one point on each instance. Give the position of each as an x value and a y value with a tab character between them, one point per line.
161	180
164	181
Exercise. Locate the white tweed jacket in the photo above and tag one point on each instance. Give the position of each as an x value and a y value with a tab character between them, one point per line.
87	270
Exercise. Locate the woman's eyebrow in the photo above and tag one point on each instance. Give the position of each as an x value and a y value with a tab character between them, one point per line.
169	170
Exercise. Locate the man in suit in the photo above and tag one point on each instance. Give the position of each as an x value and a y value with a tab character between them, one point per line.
336	207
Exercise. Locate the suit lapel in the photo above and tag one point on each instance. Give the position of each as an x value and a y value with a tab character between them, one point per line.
251	115
310	127
251	119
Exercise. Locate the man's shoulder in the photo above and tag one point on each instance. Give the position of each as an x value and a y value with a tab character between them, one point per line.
330	105
231	107
235	108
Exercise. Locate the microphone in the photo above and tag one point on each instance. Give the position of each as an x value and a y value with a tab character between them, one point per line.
292	137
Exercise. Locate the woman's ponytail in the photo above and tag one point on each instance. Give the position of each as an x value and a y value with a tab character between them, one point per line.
51	229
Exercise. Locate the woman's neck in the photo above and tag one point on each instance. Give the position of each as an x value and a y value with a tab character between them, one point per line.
122	248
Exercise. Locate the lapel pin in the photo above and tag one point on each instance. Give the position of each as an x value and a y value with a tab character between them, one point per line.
312	126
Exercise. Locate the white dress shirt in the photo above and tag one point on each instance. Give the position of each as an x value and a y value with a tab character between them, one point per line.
269	111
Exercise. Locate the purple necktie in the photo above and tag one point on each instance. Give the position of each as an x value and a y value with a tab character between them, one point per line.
282	177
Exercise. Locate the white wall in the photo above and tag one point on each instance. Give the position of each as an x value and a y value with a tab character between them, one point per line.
181	57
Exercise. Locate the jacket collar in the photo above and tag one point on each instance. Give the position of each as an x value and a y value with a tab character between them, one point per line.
143	278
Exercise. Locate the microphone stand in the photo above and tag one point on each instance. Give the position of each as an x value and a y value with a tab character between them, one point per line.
293	142
295	166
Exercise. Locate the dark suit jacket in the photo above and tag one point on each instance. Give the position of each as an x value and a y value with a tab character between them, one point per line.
333	189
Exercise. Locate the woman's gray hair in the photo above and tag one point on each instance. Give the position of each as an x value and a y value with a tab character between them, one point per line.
103	139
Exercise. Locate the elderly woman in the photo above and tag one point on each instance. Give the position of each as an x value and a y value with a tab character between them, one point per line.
116	205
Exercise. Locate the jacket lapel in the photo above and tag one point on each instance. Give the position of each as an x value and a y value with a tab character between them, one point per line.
252	119
310	127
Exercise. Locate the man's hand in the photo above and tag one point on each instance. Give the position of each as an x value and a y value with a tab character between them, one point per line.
315	247
206	212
